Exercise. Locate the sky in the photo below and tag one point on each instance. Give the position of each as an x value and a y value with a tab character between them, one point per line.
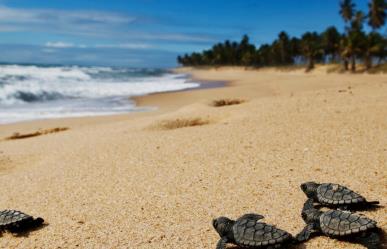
148	33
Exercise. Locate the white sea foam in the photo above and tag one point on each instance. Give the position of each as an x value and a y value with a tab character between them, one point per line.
34	92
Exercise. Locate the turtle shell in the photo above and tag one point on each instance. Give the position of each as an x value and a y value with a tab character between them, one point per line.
249	232
339	223
335	194
11	217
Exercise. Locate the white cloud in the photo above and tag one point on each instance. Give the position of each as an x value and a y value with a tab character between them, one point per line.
101	24
179	37
125	45
62	21
46	15
59	44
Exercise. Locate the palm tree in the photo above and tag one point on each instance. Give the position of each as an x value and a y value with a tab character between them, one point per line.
284	48
373	46
377	13
295	48
208	57
345	51
245	52
310	45
357	21
382	54
356	37
352	45
331	42
265	55
347	8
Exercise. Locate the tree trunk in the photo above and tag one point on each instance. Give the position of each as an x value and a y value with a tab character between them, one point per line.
310	64
380	60
368	61
345	64
353	63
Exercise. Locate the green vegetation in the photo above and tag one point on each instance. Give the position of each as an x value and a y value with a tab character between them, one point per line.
353	46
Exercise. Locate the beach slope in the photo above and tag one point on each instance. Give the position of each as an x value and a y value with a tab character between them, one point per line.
157	179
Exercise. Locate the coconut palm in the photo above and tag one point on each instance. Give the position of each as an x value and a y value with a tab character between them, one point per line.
357	21
245	52
347	9
331	42
373	46
350	44
284	48
265	55
377	13
345	51
311	48
353	45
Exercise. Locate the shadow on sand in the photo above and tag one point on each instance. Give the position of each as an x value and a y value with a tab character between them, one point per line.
25	232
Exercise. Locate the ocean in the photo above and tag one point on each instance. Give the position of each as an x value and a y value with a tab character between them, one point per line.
29	92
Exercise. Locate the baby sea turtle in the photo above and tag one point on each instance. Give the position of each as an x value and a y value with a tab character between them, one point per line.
335	195
248	232
16	221
339	224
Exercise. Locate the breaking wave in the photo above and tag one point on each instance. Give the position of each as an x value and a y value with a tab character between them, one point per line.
35	92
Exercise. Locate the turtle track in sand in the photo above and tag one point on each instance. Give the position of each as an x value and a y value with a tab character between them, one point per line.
18	135
178	123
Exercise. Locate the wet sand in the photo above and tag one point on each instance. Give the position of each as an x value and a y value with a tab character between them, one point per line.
156	179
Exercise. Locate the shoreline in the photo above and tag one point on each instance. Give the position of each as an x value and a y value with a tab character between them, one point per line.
204	84
29	125
157	179
192	75
168	101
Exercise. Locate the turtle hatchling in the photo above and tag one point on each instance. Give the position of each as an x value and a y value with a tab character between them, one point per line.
249	232
342	225
16	221
335	195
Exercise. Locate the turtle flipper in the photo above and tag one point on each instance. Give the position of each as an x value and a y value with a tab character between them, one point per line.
221	243
252	216
25	225
368	205
371	240
372	205
306	233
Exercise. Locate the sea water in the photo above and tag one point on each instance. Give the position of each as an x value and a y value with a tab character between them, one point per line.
30	92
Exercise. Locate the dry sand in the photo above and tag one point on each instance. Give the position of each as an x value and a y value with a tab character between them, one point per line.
148	181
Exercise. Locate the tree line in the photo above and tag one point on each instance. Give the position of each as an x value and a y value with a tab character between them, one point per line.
330	46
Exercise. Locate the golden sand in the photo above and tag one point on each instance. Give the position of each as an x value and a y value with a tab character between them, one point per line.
156	180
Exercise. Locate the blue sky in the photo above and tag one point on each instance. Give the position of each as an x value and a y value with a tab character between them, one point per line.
152	33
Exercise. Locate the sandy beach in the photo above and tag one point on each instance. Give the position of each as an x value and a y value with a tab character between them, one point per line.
157	179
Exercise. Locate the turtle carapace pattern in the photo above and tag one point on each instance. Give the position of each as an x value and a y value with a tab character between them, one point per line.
249	232
16	221
335	195
342	225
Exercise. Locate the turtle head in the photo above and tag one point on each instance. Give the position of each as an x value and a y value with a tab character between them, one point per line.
310	189
222	225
